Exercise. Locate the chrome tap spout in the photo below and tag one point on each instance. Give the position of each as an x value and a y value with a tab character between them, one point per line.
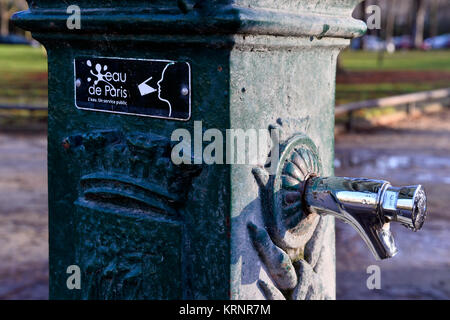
369	206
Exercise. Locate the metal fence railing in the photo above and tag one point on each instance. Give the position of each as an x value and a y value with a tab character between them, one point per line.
409	100
22	107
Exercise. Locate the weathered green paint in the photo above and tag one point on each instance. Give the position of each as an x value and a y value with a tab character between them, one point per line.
116	204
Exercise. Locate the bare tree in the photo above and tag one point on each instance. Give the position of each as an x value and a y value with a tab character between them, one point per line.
7	8
360	13
390	21
421	7
434	21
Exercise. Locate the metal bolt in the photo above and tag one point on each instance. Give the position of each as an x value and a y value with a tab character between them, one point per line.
66	144
185	91
78	83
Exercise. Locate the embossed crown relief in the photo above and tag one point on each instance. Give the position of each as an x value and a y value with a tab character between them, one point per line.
132	171
291	243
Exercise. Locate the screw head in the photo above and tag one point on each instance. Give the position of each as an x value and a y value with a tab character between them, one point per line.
185	91
65	144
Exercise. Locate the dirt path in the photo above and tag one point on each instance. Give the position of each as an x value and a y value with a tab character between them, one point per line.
23	217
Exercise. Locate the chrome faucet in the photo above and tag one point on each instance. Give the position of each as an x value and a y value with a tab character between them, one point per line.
368	206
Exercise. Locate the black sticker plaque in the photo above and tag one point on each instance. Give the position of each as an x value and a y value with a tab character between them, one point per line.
151	88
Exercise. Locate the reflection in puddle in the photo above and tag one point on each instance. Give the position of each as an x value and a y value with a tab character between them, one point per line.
415	167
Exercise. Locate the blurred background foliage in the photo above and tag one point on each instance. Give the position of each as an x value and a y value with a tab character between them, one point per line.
408	53
402	56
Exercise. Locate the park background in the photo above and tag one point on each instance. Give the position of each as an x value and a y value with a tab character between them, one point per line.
409	53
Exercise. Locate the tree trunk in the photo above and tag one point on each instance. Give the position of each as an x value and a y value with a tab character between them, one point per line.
434	21
360	13
4	22
390	21
420	22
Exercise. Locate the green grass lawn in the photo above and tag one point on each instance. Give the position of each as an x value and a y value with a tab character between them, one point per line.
400	60
23	75
361	61
346	93
21	58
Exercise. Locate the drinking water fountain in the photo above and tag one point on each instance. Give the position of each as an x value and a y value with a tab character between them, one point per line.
297	194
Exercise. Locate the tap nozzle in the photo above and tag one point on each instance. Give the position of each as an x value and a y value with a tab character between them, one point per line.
407	205
368	206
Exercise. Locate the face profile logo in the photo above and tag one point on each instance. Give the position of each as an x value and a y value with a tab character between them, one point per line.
163	88
160	86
